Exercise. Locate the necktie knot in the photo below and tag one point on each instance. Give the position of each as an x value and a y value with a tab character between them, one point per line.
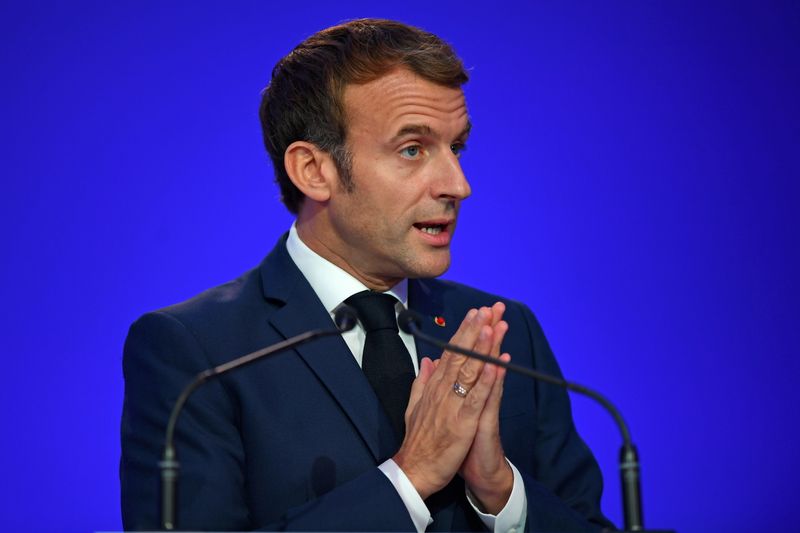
376	310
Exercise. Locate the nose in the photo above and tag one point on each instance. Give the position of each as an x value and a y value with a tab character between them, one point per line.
450	182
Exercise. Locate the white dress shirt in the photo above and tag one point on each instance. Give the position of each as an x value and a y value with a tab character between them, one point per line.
333	286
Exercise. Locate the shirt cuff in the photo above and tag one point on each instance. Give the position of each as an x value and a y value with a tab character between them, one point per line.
416	507
511	518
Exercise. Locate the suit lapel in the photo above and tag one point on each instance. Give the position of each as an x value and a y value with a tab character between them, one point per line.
328	358
437	320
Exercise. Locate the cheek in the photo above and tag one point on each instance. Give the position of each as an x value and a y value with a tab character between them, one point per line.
387	205
386	201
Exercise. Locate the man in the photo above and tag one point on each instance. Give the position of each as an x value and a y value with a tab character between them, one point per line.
365	123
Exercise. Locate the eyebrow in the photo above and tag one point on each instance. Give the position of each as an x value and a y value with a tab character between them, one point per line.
424	129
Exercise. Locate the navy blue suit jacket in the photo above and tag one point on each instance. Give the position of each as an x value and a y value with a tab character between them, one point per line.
292	442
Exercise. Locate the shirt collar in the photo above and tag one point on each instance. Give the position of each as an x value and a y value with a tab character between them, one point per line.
332	284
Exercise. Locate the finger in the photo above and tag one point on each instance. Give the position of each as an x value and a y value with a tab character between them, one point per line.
496	394
500	330
467	334
497	312
426	368
465	325
469	373
462	367
501	372
441	363
476	398
489	421
498	309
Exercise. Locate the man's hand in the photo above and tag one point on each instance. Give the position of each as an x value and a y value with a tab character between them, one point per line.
442	426
485	470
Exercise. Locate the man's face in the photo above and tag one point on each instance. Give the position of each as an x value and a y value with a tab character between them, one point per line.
405	135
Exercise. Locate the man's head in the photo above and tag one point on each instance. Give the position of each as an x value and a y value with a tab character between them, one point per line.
305	97
365	123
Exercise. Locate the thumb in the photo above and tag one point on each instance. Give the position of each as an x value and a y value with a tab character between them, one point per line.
426	368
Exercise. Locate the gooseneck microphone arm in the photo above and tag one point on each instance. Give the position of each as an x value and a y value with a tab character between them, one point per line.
409	321
345	320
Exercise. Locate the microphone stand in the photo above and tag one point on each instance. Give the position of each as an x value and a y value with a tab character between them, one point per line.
628	458
345	319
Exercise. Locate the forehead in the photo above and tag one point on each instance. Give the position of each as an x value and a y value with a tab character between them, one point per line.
401	98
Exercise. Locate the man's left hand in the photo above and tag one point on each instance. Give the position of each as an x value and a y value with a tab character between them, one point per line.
485	470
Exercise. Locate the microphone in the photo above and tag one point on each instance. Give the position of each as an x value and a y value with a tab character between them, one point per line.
410	322
345	319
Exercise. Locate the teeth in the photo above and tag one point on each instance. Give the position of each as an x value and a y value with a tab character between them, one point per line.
433	230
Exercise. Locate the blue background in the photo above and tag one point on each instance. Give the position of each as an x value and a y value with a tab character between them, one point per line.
635	172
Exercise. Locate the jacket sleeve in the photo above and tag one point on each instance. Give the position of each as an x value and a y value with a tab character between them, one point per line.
161	356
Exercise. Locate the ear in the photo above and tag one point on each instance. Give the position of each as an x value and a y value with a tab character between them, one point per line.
311	170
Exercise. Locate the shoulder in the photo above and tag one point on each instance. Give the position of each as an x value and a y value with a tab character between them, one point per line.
452	294
227	301
202	324
236	305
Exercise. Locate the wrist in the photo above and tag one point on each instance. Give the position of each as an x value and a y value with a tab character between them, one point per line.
492	495
416	476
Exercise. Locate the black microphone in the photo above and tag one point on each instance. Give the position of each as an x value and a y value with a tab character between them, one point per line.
345	319
410	322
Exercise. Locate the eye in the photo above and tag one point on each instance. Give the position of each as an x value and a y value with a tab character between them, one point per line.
411	152
458	148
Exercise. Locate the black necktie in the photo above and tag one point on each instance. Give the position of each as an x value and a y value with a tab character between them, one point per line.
386	361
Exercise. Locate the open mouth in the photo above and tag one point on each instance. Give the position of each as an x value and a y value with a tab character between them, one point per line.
431	229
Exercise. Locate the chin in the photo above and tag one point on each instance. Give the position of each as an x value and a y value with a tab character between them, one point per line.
433	269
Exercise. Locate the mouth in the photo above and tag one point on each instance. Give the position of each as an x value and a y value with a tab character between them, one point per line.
434	229
436	232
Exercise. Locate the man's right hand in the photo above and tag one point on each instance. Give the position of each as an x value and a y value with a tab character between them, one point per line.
441	425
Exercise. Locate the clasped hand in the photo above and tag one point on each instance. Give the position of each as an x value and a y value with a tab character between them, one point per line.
449	434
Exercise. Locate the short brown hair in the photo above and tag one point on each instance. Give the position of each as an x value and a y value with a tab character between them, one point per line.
305	97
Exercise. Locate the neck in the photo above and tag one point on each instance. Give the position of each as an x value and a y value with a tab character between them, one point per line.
319	238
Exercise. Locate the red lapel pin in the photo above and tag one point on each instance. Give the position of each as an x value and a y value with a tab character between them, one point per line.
439	321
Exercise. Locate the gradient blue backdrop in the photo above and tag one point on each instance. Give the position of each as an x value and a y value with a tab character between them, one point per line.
635	171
